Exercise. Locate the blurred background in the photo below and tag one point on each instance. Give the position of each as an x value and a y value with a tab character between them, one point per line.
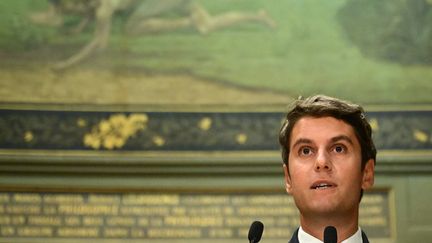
157	120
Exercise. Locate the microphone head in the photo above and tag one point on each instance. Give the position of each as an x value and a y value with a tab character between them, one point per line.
330	234
255	231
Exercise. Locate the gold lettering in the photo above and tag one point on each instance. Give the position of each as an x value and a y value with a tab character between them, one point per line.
243	232
370	199
96	221
156	222
368	210
137	233
27	198
238	200
4	197
143	222
179	210
270	200
170	215
49	210
121	221
88	209
245	221
35	231
18	220
205	200
283	221
213	210
283	210
160	199
373	221
44	220
23	209
115	232
295	222
142	210
193	221
220	233
72	220
104	199
237	221
278	233
228	210
77	232
7	231
63	198
5	220
173	233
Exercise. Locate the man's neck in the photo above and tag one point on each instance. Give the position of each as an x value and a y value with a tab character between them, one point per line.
346	226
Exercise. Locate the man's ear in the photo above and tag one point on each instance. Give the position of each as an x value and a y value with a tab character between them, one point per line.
287	178
368	174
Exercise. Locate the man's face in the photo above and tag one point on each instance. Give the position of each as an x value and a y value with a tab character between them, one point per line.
324	174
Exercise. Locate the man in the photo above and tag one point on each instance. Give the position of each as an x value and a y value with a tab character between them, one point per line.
329	159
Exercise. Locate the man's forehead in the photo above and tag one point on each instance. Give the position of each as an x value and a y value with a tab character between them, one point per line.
308	129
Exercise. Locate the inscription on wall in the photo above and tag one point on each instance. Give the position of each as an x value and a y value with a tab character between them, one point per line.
172	215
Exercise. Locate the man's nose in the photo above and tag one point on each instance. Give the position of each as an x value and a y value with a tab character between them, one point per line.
323	161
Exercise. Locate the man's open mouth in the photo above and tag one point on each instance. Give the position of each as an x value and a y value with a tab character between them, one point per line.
322	186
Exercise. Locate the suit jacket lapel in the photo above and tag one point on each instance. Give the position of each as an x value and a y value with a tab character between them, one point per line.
364	237
294	238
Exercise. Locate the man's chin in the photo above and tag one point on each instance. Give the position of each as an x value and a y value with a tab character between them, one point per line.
323	209
326	210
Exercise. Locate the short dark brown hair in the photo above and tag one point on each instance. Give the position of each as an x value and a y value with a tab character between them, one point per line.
325	106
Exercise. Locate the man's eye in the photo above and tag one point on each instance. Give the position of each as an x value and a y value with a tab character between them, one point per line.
305	151
339	149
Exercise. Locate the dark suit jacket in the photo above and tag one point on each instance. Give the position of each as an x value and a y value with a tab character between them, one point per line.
294	238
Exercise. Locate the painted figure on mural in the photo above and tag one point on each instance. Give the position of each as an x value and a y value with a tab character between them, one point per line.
328	160
142	17
397	31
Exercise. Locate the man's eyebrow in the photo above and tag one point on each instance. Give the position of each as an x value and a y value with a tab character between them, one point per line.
333	140
302	140
342	137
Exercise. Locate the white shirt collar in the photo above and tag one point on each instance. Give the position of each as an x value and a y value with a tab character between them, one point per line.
304	237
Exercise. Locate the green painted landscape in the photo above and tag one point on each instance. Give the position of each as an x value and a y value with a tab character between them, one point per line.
216	52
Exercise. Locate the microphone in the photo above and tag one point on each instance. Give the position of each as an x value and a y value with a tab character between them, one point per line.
255	232
330	234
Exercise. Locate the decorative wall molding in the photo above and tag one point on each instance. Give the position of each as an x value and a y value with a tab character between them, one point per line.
152	143
184	131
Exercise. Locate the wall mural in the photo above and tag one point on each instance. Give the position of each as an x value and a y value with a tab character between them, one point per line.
200	52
